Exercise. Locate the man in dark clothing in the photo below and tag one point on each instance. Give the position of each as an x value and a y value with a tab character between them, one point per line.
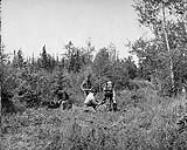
86	85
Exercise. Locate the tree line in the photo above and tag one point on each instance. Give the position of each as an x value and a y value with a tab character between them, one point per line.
162	61
32	81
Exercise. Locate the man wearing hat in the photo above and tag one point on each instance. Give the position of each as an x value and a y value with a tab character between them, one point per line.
109	93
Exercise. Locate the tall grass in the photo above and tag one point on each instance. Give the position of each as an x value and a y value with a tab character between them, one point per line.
146	121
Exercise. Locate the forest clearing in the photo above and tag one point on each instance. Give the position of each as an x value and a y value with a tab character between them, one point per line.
44	105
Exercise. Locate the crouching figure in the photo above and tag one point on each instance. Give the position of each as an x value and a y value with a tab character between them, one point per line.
90	100
61	100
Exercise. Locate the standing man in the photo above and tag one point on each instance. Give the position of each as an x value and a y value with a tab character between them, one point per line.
109	93
86	85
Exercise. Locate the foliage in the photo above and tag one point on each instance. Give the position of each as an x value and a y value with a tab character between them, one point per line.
18	59
148	122
46	61
34	82
163	57
76	58
145	120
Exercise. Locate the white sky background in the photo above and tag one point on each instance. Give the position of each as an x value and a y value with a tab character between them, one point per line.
29	24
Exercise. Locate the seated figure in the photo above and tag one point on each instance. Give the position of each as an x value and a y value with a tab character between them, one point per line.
90	100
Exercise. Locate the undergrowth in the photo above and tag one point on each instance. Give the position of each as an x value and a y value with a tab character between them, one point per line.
145	121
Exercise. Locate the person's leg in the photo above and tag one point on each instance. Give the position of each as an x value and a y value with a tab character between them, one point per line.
94	106
115	106
94	103
104	99
88	105
111	102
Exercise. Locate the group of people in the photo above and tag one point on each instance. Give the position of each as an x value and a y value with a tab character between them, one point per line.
90	94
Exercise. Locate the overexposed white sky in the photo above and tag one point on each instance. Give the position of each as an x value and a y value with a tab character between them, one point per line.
29	24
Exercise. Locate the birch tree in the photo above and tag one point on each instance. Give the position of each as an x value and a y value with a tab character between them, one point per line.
165	19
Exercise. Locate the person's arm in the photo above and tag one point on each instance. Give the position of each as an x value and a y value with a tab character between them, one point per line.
104	87
103	101
82	88
94	101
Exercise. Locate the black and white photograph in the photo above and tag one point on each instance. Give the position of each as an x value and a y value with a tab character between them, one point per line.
93	74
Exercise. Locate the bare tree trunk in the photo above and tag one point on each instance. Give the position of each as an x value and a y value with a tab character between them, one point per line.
185	18
168	47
